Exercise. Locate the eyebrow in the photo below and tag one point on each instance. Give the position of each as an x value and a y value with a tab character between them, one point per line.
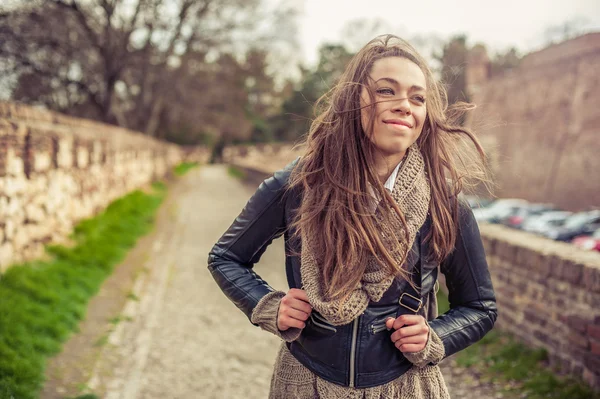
395	82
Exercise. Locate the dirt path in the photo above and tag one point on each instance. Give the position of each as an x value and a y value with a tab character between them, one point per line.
185	339
181	337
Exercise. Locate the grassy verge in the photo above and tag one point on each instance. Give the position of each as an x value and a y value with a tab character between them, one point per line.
41	302
184	167
236	172
522	372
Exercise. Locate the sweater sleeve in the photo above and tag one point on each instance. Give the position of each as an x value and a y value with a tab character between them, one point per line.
433	352
265	316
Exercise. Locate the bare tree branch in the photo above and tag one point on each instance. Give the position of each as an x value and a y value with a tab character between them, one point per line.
185	7
92	36
65	80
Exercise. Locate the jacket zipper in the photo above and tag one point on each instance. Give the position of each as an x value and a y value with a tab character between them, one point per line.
316	321
353	350
377	328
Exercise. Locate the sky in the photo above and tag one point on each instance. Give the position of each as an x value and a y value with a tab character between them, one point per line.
498	24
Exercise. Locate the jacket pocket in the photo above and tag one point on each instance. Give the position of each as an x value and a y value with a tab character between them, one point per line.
378	325
377	328
317	325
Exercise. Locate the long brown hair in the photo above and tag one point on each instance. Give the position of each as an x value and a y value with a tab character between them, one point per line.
337	170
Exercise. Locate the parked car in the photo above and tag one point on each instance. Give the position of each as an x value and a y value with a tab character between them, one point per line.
580	223
546	221
523	213
588	242
499	209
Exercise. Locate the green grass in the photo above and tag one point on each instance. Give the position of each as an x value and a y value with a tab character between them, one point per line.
523	372
184	167
132	296
103	340
236	172
42	302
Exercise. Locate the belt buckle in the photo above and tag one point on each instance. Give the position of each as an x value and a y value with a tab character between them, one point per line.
407	306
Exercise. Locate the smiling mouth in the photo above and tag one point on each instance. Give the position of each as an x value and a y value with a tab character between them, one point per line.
399	127
398	123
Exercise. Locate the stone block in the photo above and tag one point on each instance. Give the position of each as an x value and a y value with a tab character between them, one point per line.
9	229
21	238
521	257
34	213
591	278
595	347
33	251
3	208
593	331
64	156
42	161
572	271
83	156
15	206
579	340
539	319
592	362
577	323
37	232
14	185
548	341
6	255
96	154
540	263
14	163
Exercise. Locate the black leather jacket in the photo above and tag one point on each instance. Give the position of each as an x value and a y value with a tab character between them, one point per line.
361	353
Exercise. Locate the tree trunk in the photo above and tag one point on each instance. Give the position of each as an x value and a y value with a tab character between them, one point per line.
154	117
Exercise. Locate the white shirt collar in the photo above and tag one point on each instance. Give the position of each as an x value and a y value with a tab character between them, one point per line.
389	184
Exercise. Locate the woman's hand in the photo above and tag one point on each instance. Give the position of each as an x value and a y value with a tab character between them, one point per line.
411	332
294	309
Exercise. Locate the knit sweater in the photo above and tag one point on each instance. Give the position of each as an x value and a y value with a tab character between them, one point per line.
410	190
292	380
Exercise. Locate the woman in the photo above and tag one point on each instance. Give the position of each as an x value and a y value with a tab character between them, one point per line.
368	214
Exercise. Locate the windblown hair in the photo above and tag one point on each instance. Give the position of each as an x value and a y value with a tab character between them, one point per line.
337	171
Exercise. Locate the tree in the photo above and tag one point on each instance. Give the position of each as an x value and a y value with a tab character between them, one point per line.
358	32
569	29
505	61
454	61
298	110
137	63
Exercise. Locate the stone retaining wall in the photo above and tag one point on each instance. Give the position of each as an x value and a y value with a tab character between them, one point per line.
264	158
548	296
542	123
56	170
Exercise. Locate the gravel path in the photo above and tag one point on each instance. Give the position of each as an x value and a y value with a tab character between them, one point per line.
184	338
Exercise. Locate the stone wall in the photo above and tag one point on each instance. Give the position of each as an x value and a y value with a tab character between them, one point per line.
548	296
56	170
544	123
261	158
548	292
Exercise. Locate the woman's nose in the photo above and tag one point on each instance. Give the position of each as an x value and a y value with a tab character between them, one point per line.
402	105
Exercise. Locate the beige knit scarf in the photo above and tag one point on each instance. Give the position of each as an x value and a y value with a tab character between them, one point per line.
412	194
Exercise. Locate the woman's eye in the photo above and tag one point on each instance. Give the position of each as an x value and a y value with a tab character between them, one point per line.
420	99
385	91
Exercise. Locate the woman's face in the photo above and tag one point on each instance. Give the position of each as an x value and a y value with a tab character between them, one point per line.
399	87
